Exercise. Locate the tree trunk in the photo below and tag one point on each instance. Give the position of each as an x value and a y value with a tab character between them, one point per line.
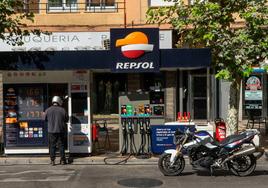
233	107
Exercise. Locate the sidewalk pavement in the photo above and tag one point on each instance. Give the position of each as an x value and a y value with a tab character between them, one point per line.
92	160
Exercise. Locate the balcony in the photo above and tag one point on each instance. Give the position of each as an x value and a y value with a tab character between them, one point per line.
50	7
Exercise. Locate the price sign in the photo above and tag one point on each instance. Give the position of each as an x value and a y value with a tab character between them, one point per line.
30	103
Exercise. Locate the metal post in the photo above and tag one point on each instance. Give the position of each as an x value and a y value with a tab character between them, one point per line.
181	92
208	95
190	106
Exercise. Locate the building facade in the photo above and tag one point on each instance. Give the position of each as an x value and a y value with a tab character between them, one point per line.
84	26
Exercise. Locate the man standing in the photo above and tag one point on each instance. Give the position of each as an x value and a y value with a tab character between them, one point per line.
57	118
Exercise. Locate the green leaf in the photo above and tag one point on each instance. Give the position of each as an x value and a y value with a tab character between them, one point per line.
12	22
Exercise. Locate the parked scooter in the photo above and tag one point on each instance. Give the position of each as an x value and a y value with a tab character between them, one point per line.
237	153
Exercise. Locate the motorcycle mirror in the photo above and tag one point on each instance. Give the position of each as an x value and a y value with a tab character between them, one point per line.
65	97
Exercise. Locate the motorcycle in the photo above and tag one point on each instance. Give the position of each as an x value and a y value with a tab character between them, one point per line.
237	153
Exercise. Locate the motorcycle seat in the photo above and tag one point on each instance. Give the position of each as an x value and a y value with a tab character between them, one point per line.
231	139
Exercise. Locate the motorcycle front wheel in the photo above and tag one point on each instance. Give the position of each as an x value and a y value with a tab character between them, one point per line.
243	166
170	170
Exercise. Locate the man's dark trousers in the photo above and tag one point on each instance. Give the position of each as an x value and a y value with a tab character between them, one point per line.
55	138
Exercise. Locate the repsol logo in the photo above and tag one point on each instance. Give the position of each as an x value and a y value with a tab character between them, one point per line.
134	65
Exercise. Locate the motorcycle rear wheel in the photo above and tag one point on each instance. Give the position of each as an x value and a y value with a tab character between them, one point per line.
166	168
243	166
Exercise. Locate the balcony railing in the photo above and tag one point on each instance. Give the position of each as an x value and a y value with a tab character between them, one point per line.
71	7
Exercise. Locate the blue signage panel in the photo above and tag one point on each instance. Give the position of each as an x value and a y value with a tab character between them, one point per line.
23	115
162	136
135	50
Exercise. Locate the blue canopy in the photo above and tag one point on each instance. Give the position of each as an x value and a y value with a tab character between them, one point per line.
71	60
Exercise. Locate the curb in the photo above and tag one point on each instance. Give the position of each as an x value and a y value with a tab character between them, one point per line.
93	160
8	161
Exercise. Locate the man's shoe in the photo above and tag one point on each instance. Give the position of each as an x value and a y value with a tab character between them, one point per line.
52	163
63	162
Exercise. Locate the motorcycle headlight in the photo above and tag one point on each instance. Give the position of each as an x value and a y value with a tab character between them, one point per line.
178	139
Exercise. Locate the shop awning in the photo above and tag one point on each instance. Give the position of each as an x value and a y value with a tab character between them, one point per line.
72	60
54	60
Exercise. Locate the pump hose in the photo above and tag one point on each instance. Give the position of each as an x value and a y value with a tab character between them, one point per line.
141	154
124	145
133	148
143	142
123	161
148	132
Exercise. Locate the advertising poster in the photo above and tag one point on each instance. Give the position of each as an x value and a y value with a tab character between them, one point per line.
253	92
162	136
253	89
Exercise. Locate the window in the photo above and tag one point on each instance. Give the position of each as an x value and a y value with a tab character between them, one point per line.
101	2
29	6
33	5
105	93
198	96
101	5
62	5
152	81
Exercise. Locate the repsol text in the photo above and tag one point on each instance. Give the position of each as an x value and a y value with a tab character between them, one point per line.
134	65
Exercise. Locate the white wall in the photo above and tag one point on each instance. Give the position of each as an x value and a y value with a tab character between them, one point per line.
159	3
63	41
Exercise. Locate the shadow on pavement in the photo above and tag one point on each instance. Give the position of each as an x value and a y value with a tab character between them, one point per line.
228	173
187	173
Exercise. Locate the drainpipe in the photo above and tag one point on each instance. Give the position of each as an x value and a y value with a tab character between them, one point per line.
125	15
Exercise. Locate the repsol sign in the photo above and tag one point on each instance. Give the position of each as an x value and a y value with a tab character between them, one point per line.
135	50
134	65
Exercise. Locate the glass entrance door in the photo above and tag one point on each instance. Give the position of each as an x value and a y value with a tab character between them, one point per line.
198	96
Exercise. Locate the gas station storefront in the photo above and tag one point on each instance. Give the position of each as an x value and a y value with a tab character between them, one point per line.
26	96
32	78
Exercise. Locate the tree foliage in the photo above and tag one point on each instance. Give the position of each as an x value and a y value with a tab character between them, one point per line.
235	30
12	21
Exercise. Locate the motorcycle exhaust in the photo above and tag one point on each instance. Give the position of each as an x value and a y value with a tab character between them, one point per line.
259	153
245	151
